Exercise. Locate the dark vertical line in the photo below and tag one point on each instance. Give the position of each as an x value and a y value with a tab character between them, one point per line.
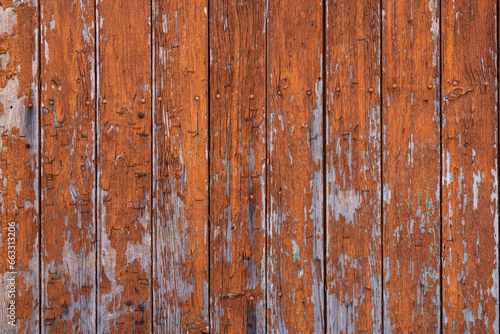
96	171
441	245
498	137
266	206
325	202
153	160
381	101
208	167
39	160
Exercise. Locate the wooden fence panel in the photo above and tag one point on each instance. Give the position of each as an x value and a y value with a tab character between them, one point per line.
181	167
124	165
19	165
411	166
295	171
237	166
470	166
353	189
68	167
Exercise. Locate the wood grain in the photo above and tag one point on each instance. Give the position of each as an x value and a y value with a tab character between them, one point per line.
238	166
470	166
19	162
354	272
181	167
68	167
295	275
124	166
411	166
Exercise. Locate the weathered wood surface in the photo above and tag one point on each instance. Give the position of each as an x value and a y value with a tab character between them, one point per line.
19	162
470	167
181	278
252	166
68	167
411	166
124	166
295	254
237	166
353	188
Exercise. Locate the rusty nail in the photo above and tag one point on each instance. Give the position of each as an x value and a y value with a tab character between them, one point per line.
140	307
280	92
128	303
430	86
30	105
217	96
251	298
143	100
251	196
370	90
252	96
394	85
337	89
160	99
486	83
279	192
279	294
87	103
140	115
28	146
51	102
78	80
104	101
197	98
455	83
309	92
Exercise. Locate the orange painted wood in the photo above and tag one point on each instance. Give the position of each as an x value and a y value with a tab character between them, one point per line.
353	153
237	166
181	167
68	167
19	163
470	166
124	166
295	254
411	167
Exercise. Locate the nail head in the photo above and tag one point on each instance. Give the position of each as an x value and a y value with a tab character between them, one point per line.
280	92
30	105
143	100
51	102
104	101
455	83
140	115
309	92
160	99
252	96
279	294
251	297
394	85
370	90
28	146
337	89
430	86
197	98
217	96
251	196
87	103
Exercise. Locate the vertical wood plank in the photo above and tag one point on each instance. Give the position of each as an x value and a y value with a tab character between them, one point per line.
411	166
68	167
124	166
181	167
19	163
295	174
237	170
470	169
354	273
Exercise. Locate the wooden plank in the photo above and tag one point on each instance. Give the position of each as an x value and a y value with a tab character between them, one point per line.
68	167
354	271
124	166
411	166
19	165
470	168
181	167
237	166
295	275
